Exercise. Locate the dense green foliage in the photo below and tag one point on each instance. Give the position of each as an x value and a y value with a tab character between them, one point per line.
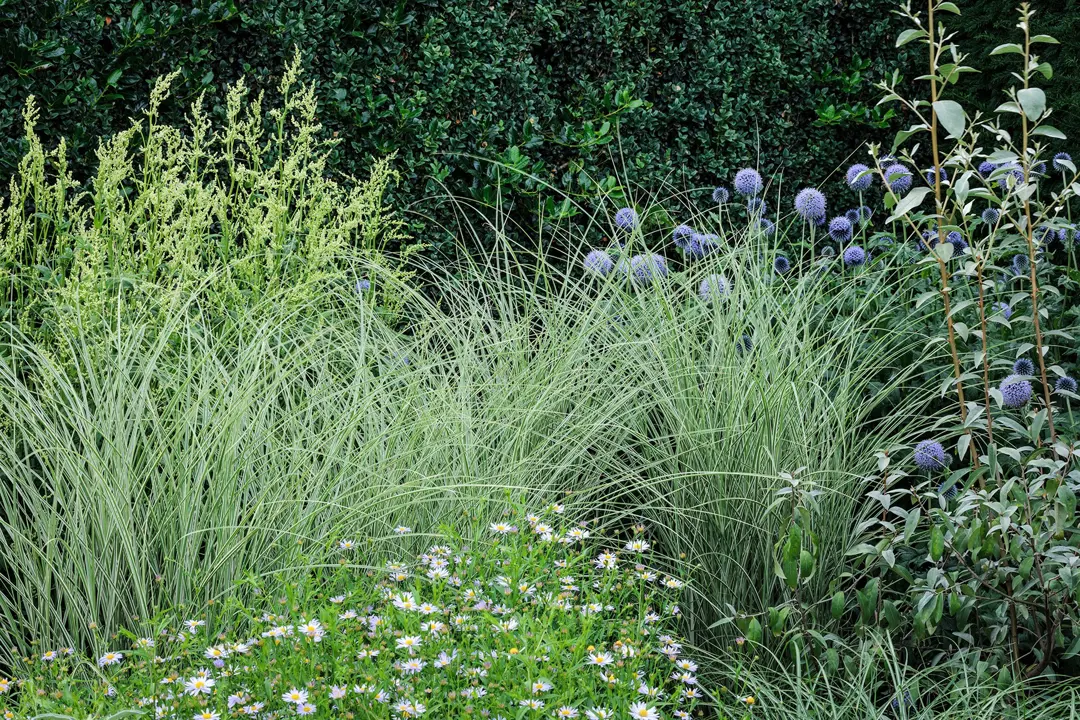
442	83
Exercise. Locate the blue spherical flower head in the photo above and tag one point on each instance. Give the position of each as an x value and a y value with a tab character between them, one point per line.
1044	233
1011	170
1060	159
748	182
781	265
865	213
1020	264
819	221
930	455
955	239
810	204
721	195
713	288
681	235
852	215
1015	391
756	206
599	263
859	178
929	174
626	218
986	168
898	178
840	229
766	227
990	216
1023	366
854	256
362	286
1004	308
1065	384
1039	168
744	344
645	269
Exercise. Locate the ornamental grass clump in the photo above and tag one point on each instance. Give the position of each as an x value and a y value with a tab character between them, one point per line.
537	616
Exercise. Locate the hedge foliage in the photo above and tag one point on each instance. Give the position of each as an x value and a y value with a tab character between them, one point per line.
572	90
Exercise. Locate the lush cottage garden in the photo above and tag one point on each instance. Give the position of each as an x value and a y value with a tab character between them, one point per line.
761	449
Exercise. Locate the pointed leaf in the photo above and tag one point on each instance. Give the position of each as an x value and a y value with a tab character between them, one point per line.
909	202
951	115
1033	101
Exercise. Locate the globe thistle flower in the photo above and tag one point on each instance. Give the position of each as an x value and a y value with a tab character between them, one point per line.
1063	235
1065	384
810	204
828	251
756	206
362	286
955	239
701	244
1023	366
744	344
1015	391
856	180
1044	233
986	168
766	226
781	265
1039	168
1020	264
930	455
681	235
599	263
1004	308
840	229
721	195
929	174
626	218
1012	170
852	215
898	178
990	216
930	238
748	182
714	287
646	268
1060	159
854	256
865	213
819	220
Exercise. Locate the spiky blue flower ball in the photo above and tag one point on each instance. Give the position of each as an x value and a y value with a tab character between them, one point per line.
713	288
857	180
810	204
1015	391
756	206
744	344
748	182
955	239
854	256
647	268
626	218
1004	308
721	195
865	213
599	263
1020	264
1011	170
1065	384
701	244
362	286
990	216
766	226
898	177
852	215
1043	234
1039	168
930	455
781	265
681	235
929	175
986	168
1023	366
840	229
819	220
1060	159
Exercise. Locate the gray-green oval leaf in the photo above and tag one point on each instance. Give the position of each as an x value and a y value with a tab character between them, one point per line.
1033	101
951	116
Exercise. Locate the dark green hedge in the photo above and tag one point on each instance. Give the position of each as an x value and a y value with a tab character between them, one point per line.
723	83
